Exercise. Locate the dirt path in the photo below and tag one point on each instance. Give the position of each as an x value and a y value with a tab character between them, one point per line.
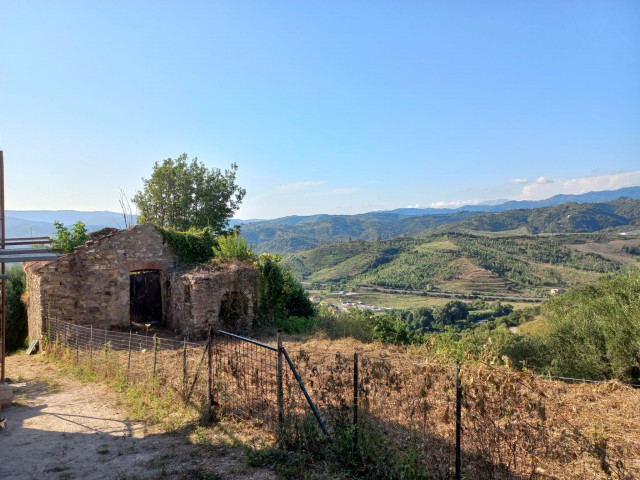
60	428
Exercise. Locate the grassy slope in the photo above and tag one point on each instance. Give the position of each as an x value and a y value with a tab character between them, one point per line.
464	263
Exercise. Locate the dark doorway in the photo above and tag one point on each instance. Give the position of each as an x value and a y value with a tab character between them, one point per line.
234	307
145	297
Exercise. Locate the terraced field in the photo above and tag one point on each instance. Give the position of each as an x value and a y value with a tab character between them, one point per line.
528	266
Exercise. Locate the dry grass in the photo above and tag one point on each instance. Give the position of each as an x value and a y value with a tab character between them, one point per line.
536	327
515	425
612	250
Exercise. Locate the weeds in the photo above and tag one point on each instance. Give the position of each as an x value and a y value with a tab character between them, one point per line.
515	424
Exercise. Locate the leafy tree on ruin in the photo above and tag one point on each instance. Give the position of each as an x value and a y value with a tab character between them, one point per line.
67	240
183	194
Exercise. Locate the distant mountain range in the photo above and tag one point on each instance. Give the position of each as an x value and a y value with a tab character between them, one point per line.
621	212
504	205
36	223
303	232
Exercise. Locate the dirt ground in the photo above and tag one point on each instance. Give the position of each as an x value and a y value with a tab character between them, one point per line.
60	428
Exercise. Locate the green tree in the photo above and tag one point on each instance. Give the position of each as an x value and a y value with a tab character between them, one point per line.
271	302
298	303
66	240
450	313
184	194
280	295
16	315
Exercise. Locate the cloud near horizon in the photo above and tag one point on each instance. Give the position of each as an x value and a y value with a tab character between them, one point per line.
545	187
457	204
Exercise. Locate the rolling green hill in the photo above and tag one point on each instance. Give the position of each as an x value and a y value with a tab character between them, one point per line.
293	234
465	263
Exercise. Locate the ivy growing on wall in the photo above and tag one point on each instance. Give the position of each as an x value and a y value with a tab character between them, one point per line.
192	246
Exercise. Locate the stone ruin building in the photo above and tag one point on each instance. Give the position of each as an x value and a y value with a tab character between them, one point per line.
131	277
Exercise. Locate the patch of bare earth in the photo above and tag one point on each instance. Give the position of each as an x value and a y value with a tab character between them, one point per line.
476	279
60	428
611	250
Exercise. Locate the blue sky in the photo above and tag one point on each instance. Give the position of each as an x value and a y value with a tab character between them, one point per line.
326	106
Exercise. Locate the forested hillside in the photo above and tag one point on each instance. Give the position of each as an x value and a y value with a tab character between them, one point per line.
459	262
292	234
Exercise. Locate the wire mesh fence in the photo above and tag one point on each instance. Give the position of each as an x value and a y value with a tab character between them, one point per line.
477	422
244	380
136	359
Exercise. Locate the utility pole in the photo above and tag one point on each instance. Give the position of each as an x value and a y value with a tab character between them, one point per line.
3	318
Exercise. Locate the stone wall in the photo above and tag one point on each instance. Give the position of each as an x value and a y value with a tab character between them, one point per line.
91	285
198	297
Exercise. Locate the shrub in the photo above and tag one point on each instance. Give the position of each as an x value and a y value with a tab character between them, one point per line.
16	313
280	295
233	247
192	246
594	330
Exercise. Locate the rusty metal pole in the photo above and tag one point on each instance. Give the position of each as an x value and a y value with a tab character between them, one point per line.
184	368
3	236
210	375
355	403
280	391
458	470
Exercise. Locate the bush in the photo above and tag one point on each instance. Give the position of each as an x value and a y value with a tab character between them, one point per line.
233	247
293	324
280	295
594	330
192	246
356	324
16	313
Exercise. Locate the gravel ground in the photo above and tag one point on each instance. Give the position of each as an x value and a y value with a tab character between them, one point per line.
59	428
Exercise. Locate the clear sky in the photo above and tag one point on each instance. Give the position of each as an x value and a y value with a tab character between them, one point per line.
338	106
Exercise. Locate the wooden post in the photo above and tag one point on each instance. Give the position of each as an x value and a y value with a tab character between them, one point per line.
280	391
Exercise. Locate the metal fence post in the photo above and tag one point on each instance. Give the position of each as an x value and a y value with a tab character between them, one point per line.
155	355
458	422
128	360
280	391
91	345
77	346
355	403
210	374
184	367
